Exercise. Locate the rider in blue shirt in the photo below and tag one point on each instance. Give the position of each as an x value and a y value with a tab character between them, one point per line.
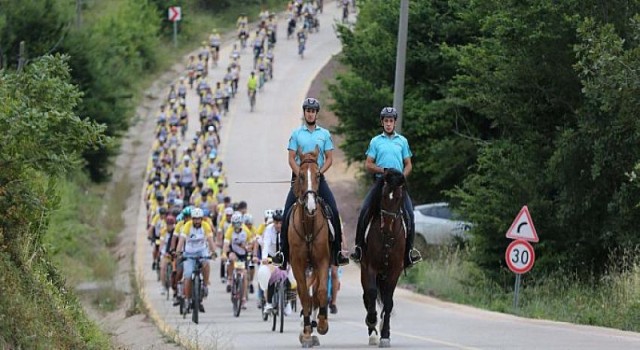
308	137
387	150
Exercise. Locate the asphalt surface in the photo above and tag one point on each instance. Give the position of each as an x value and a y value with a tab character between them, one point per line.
253	149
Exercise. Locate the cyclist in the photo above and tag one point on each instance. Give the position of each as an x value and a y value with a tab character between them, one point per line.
214	42
271	240
236	242
252	86
153	233
247	219
308	137
165	237
197	240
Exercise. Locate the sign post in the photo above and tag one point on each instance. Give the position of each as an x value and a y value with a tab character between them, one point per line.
175	14
520	257
520	254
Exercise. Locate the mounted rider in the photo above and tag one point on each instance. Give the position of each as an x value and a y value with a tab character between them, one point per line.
387	150
307	137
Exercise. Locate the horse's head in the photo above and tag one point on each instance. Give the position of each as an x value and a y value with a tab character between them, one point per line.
308	180
391	202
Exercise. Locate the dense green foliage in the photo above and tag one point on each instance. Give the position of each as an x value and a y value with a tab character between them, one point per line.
42	139
510	103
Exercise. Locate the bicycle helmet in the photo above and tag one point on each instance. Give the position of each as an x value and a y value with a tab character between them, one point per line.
197	213
247	219
236	219
159	196
311	103
228	211
163	211
389	112
186	211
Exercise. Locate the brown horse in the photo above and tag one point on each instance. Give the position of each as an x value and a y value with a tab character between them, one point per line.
383	256
309	250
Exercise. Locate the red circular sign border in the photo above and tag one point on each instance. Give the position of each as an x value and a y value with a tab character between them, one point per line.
527	267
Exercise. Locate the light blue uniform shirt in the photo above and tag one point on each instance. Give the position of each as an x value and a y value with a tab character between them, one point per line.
389	152
308	140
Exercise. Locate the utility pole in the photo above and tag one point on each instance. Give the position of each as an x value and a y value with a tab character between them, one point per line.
401	57
78	13
21	58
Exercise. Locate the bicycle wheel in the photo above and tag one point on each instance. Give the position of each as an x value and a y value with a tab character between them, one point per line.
195	297
167	279
274	311
240	295
235	296
281	304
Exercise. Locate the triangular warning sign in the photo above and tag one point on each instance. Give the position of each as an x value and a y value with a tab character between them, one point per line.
522	227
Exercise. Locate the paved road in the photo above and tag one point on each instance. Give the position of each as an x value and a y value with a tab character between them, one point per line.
254	149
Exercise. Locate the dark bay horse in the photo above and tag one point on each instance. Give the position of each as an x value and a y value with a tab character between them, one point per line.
309	249
383	256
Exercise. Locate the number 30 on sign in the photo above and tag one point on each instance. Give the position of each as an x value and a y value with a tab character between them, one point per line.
520	256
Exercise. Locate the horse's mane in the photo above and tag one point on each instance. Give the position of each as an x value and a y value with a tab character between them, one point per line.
393	178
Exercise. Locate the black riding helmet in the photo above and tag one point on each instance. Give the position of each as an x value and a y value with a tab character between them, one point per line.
389	112
277	216
311	103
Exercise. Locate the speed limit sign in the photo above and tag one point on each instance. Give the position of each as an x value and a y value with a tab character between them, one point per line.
520	256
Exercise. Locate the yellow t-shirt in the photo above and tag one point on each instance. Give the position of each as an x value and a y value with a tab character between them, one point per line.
196	238
229	233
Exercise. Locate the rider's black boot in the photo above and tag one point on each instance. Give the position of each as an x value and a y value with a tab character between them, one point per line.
413	255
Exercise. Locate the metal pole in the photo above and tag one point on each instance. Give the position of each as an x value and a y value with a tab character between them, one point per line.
22	57
516	292
78	13
398	89
175	33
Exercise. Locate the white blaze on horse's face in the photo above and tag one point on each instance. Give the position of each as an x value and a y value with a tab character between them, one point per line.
391	195
311	199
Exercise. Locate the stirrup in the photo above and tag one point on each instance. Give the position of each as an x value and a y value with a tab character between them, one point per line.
414	256
357	254
341	260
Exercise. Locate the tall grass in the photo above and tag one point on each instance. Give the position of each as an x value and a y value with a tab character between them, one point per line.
610	301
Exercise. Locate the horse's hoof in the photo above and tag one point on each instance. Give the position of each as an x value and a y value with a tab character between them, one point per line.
323	326
305	340
315	340
373	339
385	343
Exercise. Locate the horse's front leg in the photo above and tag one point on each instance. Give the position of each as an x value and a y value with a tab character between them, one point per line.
387	307
305	301
321	295
369	295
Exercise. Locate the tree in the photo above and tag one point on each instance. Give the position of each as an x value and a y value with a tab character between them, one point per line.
432	127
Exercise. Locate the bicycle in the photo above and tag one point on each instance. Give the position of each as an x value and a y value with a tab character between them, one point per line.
252	99
237	286
279	303
197	289
168	277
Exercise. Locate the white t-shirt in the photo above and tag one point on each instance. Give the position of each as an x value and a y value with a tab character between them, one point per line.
269	240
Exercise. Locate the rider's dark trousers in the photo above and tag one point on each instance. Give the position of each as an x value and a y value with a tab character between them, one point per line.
325	193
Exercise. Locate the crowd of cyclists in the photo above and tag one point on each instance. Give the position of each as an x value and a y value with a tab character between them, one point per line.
190	215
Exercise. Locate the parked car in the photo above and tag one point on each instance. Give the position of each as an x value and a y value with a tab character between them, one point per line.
436	224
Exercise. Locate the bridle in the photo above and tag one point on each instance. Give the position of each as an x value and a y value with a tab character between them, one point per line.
309	191
391	214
